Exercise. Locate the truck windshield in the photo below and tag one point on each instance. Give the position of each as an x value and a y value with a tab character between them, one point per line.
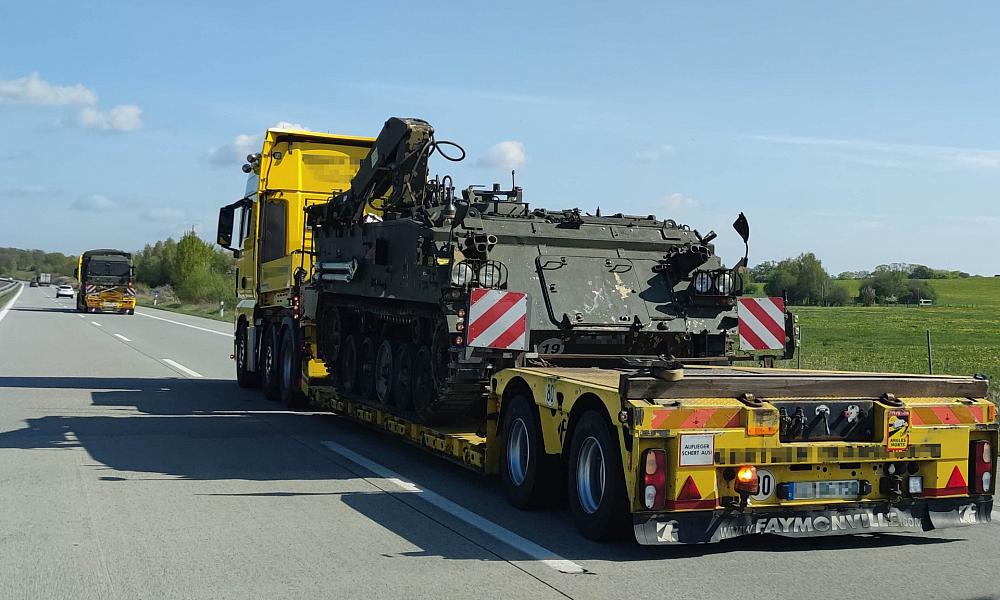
108	268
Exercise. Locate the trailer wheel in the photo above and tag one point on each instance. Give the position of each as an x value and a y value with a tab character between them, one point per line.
526	472
596	482
384	373
289	370
245	377
402	387
269	364
366	370
347	373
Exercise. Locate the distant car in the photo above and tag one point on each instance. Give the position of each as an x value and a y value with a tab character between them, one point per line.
64	291
33	284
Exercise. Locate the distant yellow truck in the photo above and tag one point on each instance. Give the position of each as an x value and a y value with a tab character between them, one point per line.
106	285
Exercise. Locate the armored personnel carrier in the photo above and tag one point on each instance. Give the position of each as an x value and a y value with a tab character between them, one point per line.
398	254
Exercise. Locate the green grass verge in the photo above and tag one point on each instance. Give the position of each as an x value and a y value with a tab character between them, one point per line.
209	311
964	326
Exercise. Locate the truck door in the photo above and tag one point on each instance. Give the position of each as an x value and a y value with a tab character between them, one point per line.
275	271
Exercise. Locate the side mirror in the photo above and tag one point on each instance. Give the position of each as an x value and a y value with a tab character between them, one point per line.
225	234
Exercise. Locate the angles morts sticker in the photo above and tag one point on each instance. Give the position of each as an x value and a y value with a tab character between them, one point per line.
897	430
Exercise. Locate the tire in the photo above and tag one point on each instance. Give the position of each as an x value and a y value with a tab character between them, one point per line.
131	311
424	387
347	376
289	370
598	500
366	368
244	377
384	373
269	364
402	386
526	472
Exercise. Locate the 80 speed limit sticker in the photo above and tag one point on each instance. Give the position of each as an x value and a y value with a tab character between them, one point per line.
767	485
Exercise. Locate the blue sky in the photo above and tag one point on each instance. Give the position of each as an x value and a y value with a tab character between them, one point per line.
866	133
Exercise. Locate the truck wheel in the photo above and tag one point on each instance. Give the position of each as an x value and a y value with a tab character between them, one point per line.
596	482
131	311
384	373
402	387
424	388
366	370
346	377
289	370
526	472
245	377
269	365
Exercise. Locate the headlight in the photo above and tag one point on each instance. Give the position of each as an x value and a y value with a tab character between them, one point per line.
702	282
461	274
489	275
724	283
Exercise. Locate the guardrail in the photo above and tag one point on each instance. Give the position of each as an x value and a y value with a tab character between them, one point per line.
7	286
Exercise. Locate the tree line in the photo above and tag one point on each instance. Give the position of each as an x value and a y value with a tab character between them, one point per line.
804	281
15	261
195	270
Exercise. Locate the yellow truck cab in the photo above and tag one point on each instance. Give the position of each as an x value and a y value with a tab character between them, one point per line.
266	230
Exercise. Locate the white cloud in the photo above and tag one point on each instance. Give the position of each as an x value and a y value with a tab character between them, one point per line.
655	154
27	192
95	203
887	154
125	117
162	215
236	151
508	154
678	201
36	91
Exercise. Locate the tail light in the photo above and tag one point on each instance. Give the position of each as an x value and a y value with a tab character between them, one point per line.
980	467
747	480
295	307
654	479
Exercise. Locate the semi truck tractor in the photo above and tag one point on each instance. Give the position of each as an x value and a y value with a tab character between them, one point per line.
608	359
106	282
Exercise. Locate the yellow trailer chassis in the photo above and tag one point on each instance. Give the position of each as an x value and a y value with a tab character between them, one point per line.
930	461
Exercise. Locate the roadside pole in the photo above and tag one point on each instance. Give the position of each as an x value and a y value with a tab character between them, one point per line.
930	355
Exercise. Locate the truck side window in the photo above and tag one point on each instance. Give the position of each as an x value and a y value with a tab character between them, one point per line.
275	217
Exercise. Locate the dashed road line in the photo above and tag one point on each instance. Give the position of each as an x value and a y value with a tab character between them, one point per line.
506	536
96	323
228	335
182	368
122	337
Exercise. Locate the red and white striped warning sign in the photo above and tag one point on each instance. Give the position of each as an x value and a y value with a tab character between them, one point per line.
498	319
762	323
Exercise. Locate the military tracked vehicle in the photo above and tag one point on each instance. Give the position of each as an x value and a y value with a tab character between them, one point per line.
398	253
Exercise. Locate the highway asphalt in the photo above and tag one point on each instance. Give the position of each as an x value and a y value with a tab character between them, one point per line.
132	466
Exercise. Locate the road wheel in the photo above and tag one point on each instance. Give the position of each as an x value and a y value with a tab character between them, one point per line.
346	376
596	483
384	374
245	377
402	387
423	388
289	370
131	311
366	370
269	365
526	472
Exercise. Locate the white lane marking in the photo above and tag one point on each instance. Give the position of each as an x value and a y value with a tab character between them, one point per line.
6	309
508	537
122	337
96	323
228	335
81	316
181	367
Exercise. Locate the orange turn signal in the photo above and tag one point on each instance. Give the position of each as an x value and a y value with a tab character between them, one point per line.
747	480
761	421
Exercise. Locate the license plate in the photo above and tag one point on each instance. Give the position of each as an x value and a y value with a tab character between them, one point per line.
818	490
110	305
